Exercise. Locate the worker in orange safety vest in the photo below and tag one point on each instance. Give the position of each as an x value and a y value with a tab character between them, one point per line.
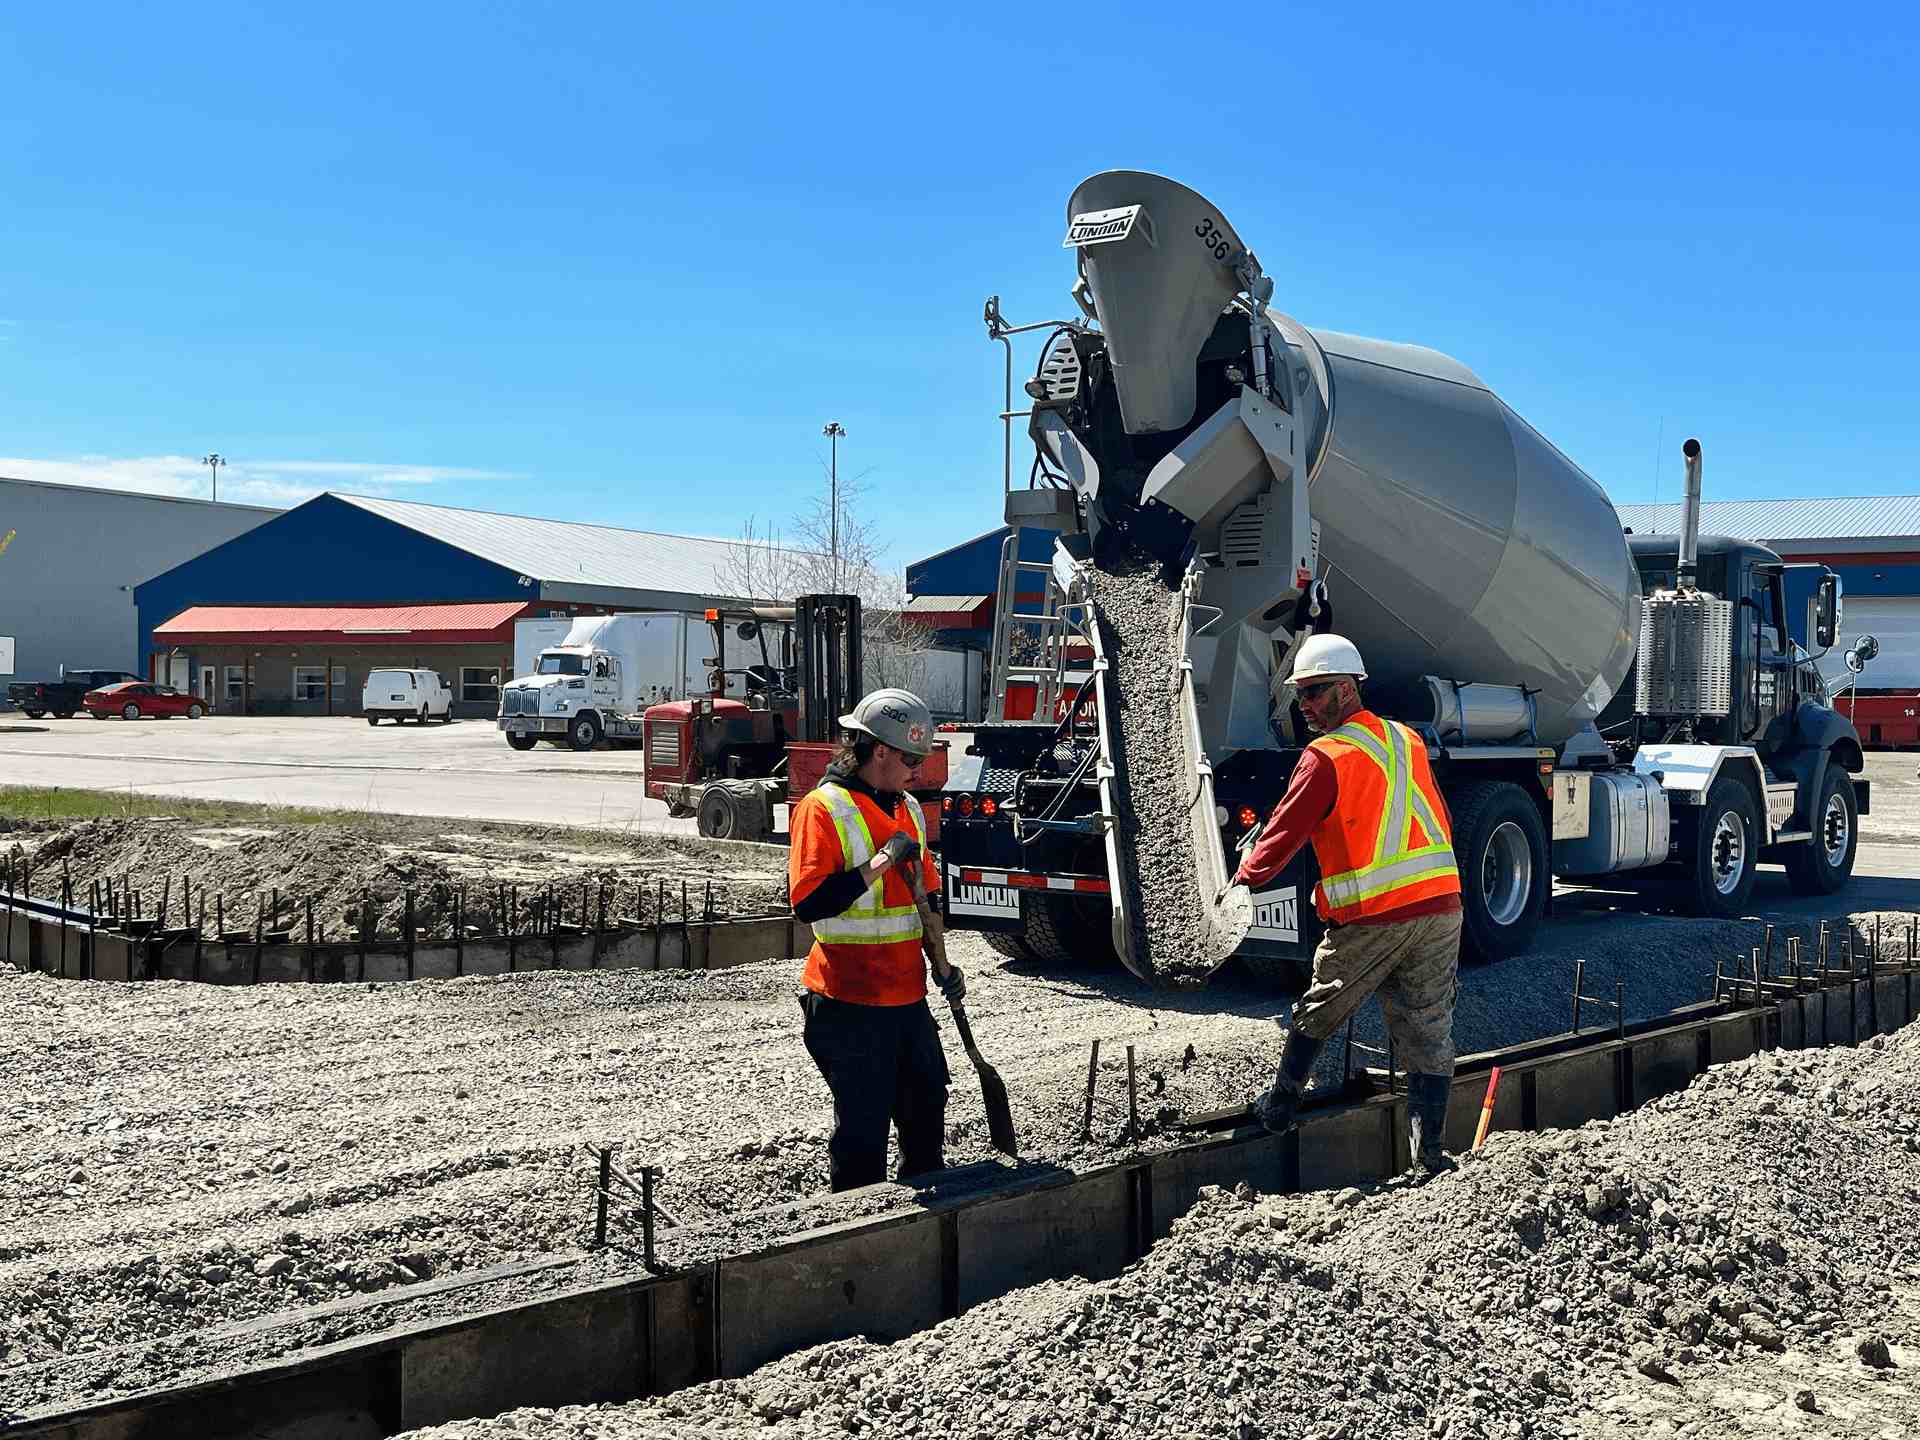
1364	795
855	839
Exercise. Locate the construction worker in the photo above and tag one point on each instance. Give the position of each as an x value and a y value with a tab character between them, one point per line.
856	838
1364	795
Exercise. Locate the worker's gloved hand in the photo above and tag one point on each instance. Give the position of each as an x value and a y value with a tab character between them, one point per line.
901	849
953	985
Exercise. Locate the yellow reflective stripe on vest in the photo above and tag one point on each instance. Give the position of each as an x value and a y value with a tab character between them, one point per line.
1396	864
867	921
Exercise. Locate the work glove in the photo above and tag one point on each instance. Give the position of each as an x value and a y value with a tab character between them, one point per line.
901	849
953	986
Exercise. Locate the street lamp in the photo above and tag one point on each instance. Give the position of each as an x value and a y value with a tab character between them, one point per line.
834	431
215	460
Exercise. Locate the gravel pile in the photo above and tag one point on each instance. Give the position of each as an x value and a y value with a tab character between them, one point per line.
342	867
1156	846
1551	1279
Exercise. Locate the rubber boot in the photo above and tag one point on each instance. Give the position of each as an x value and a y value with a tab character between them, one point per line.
1279	1108
1427	1097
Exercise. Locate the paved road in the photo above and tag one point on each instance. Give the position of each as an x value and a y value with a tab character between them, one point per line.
462	770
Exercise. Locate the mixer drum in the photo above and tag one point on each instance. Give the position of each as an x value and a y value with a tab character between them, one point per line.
1456	541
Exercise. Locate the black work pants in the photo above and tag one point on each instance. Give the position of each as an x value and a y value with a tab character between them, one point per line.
885	1068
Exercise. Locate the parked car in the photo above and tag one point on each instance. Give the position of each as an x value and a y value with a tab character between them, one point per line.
403	695
61	698
136	700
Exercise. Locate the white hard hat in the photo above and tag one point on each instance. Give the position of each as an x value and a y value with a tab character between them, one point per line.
1327	655
898	718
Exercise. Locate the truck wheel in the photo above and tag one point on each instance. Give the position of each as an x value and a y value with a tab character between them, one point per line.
718	819
1716	877
1500	843
1009	945
1823	864
584	732
1069	929
523	742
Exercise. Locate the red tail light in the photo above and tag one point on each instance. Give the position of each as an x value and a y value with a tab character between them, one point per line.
946	804
988	808
1247	816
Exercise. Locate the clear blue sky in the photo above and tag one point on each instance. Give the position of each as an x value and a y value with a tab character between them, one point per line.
622	262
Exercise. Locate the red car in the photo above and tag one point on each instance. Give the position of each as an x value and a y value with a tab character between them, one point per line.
134	699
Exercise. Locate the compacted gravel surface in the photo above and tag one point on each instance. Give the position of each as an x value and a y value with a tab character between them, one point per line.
1733	1260
180	1156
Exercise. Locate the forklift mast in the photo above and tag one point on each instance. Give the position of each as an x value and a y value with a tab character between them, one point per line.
827	662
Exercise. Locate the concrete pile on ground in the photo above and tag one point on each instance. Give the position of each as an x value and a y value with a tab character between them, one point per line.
1156	845
342	868
1749	1237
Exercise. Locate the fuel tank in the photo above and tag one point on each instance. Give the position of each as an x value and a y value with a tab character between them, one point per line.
1452	537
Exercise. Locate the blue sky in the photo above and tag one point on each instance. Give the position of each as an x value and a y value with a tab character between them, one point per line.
622	262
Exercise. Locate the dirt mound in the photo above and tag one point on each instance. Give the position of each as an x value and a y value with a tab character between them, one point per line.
240	872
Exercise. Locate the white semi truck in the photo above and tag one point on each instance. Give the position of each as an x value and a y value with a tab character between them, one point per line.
597	682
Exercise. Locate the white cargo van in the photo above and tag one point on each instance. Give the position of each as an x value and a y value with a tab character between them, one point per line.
403	695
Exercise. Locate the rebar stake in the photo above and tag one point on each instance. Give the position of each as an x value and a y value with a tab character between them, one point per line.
600	1204
1093	1072
1133	1101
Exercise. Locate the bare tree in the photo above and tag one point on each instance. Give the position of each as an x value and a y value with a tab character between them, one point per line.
764	566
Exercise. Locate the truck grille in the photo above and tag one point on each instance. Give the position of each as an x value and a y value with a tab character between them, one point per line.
510	702
663	748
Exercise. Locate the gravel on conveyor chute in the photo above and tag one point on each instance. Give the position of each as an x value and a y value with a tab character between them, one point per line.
1155	790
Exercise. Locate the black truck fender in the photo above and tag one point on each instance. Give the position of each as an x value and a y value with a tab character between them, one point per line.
1820	736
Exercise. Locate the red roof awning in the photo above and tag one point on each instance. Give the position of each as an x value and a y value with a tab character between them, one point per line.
342	624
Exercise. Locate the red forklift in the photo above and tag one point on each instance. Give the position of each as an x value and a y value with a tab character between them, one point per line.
728	761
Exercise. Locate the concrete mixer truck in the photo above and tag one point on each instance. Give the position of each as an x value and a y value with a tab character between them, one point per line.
1598	706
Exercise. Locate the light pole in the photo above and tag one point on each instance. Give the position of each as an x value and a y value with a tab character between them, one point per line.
215	460
834	430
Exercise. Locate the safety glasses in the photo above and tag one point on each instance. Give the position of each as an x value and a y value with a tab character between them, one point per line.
1314	692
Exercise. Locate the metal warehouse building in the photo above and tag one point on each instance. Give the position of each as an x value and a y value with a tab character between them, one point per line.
290	617
67	580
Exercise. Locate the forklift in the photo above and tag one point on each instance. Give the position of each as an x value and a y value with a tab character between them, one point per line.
727	762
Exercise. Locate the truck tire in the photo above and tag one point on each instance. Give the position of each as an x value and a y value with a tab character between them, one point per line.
1822	865
1500	843
583	731
718	819
1010	945
523	742
1720	849
1069	930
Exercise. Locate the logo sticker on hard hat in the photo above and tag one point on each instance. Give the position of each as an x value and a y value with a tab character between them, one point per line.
917	733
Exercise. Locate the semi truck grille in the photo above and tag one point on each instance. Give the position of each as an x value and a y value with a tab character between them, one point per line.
663	748
510	702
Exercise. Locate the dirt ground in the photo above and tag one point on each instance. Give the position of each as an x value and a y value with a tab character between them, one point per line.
246	869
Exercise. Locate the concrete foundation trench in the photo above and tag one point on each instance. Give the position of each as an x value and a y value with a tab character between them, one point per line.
910	1260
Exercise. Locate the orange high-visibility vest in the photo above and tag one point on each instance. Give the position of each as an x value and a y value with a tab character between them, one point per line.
1386	844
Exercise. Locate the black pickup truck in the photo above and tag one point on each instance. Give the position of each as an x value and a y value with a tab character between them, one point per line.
61	698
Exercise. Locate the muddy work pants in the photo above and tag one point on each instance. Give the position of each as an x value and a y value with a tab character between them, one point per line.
886	1070
1413	965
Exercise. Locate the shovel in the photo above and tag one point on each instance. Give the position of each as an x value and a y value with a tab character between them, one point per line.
993	1090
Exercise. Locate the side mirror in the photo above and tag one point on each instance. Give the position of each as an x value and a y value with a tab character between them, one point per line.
1826	612
1861	653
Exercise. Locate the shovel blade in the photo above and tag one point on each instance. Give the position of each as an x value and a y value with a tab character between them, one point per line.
993	1091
